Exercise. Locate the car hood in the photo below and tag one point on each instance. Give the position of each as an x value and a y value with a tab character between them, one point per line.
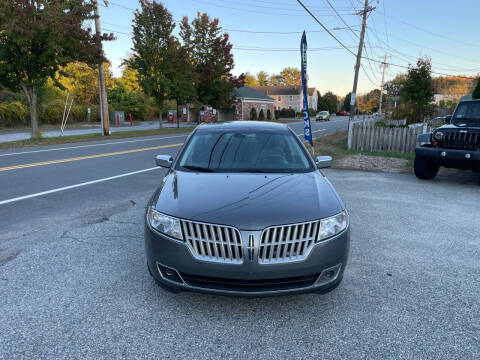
247	201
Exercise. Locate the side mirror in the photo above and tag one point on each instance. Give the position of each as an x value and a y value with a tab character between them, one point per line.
323	162
448	119
164	160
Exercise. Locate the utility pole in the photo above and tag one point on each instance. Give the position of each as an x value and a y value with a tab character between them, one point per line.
364	13
384	65
101	77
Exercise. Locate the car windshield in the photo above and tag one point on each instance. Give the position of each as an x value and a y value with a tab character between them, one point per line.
244	151
467	114
323	113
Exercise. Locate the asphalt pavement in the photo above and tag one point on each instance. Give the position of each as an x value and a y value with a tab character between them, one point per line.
74	284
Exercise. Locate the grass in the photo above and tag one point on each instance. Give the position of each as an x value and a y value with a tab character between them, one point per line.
91	137
335	145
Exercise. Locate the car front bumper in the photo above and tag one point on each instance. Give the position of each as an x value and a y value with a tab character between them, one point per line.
321	270
450	158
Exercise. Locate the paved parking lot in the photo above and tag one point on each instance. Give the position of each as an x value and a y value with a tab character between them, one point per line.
77	286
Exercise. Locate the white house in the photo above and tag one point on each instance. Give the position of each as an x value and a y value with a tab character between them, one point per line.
290	97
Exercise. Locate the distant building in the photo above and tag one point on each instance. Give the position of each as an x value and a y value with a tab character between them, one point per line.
247	98
290	97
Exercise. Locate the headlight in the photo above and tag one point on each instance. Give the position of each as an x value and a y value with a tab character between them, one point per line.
439	135
332	226
165	224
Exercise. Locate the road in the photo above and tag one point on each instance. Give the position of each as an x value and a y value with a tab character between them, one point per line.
144	125
74	283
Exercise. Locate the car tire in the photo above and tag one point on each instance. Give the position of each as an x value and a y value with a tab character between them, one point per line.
425	169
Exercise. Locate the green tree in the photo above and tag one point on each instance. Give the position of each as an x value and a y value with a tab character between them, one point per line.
328	102
153	50
209	50
346	102
417	90
250	80
476	91
253	114
291	76
37	38
269	114
262	78
261	115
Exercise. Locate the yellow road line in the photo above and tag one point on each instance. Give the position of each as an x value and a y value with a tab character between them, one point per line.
14	167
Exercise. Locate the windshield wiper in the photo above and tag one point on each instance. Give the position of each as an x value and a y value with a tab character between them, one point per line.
197	168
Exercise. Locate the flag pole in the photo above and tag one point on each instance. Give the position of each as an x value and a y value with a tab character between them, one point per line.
307	130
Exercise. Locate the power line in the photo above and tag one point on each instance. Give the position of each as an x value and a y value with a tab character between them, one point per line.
324	28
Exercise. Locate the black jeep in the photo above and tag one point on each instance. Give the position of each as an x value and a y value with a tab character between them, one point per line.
454	145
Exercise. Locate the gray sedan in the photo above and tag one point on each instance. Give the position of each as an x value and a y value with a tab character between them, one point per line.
244	210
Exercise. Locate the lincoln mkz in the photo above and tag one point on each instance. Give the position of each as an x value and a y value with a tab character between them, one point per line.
245	210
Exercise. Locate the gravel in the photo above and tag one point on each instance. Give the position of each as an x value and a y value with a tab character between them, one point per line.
80	288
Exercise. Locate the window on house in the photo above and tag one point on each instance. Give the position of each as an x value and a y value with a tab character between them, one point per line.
279	98
291	97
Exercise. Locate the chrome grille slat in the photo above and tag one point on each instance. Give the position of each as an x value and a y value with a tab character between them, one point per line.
210	242
287	243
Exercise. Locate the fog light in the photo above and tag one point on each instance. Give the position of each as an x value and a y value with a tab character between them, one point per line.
328	275
468	156
443	153
169	274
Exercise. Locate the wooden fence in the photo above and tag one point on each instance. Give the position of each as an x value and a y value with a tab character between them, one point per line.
364	136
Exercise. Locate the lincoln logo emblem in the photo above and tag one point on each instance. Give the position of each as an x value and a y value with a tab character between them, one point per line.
251	247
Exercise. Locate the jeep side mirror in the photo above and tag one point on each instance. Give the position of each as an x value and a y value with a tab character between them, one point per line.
323	162
448	119
164	160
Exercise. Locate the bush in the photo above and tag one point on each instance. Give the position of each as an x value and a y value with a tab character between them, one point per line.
299	114
269	114
277	114
380	124
287	113
13	114
253	114
261	115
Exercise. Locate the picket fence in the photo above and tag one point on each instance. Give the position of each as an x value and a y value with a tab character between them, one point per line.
365	136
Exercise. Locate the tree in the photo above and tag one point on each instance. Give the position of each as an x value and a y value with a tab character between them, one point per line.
209	50
291	76
37	38
346	102
328	102
153	50
417	90
269	114
275	80
261	115
253	114
476	91
250	80
81	81
129	79
262	78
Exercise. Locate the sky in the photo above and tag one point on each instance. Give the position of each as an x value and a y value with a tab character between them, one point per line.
266	36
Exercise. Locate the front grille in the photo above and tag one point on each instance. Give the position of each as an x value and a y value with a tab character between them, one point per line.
287	243
215	243
225	284
460	139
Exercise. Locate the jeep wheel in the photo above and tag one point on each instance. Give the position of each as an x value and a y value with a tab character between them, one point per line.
425	169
